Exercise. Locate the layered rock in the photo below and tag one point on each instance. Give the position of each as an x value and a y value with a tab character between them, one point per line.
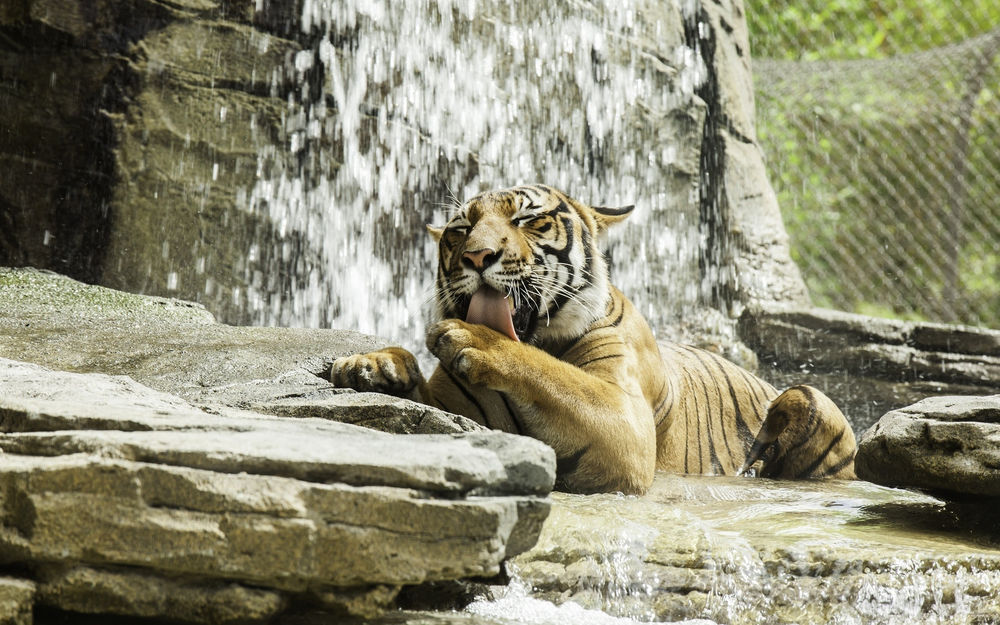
747	551
131	131
232	492
950	445
868	365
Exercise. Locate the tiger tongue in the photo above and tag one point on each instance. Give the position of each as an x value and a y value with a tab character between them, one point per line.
490	308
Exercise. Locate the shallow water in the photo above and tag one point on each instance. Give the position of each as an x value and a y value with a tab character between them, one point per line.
751	551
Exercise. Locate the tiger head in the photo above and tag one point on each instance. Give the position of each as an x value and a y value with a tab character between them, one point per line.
525	262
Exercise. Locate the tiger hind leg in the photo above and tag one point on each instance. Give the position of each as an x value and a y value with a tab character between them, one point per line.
803	436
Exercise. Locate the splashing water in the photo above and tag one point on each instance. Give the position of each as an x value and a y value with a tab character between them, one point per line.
757	552
407	107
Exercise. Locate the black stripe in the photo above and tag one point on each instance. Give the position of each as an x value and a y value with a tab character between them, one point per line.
599	346
769	470
468	396
569	346
662	395
613	212
599	358
846	460
700	356
661	416
742	427
754	385
819	460
813	425
588	257
613	304
713	456
513	415
687	426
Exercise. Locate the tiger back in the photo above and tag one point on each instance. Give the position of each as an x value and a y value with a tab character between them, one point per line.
532	338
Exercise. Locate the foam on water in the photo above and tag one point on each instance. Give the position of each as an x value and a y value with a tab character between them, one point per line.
517	606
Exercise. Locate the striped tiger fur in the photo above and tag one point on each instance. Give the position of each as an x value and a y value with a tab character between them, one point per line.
533	339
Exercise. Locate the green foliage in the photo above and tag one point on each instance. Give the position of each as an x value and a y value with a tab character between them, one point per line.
867	157
863	29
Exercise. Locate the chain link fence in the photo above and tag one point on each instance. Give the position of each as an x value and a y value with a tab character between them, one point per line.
880	120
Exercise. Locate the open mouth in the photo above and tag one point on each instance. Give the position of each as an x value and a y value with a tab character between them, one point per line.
493	309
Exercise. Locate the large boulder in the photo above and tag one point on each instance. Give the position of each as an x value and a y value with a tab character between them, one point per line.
950	445
194	471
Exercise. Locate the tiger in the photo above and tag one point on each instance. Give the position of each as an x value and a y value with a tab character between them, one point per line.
532	338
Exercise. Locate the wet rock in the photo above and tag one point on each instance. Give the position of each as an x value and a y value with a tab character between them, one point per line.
134	593
748	551
868	365
130	131
16	600
232	490
193	509
749	252
950	445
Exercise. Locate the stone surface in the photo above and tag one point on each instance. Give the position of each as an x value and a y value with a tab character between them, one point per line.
141	490
141	594
748	258
950	445
868	365
16	600
371	410
744	551
231	491
167	344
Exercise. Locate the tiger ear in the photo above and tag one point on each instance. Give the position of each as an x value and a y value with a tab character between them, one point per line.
435	232
607	216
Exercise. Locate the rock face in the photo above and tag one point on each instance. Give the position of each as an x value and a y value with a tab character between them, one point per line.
870	366
253	158
748	551
130	133
949	445
230	492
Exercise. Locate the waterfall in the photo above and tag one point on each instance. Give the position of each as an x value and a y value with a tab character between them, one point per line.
405	108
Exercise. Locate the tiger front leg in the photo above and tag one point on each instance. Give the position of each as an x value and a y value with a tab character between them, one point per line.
393	371
600	427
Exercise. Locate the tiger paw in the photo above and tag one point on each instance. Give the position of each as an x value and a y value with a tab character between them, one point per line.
392	370
465	349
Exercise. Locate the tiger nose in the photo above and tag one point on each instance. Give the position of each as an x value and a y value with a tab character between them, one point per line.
480	259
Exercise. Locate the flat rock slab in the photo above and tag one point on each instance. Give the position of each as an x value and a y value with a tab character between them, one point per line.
868	365
741	550
167	344
127	500
949	445
833	341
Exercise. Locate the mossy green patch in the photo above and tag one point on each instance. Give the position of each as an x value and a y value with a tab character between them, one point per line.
27	293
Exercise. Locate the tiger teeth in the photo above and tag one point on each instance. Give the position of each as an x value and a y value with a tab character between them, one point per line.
510	303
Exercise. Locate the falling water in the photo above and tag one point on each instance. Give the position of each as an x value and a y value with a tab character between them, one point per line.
405	108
